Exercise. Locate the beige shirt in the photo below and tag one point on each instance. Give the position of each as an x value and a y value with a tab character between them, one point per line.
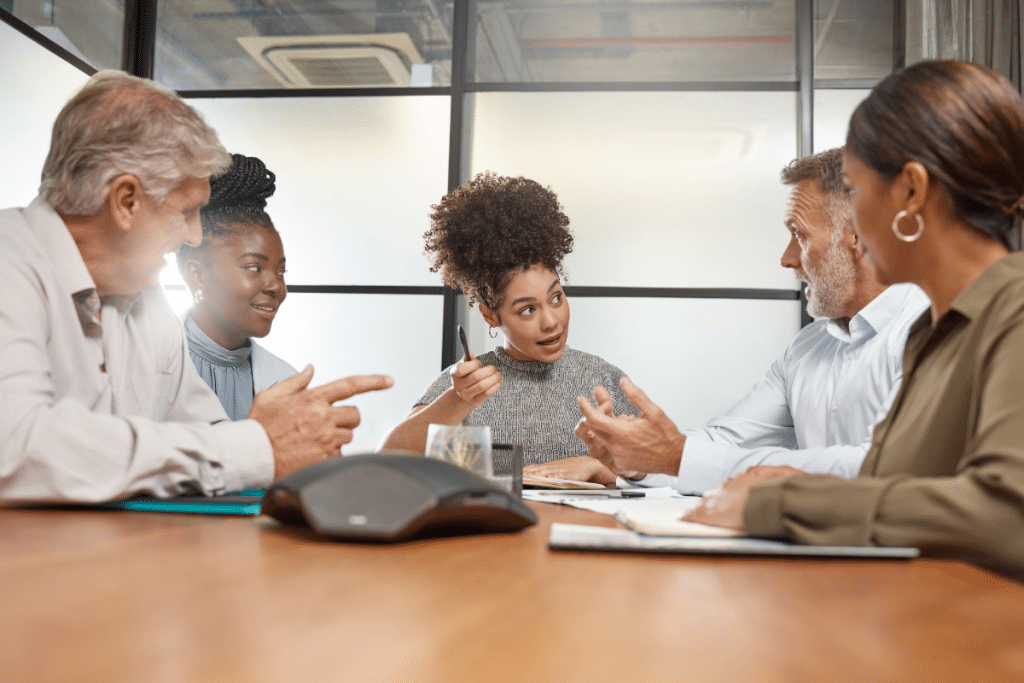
945	472
95	409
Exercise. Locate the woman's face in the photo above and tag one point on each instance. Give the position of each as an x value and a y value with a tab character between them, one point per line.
874	208
242	284
534	316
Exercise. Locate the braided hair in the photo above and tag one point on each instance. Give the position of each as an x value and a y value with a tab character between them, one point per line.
493	227
238	200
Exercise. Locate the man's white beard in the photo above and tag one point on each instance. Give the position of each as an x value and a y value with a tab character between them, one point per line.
831	282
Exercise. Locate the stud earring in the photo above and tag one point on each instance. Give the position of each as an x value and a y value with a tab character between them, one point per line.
199	296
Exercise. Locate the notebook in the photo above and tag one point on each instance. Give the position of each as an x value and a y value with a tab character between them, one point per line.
246	502
582	537
553	483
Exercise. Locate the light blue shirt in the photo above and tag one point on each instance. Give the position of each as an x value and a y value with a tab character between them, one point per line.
816	408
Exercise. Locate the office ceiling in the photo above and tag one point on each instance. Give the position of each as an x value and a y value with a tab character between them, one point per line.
265	44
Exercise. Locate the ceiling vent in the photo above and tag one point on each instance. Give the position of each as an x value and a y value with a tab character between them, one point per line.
373	60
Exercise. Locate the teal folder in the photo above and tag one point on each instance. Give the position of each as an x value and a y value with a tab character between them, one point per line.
238	503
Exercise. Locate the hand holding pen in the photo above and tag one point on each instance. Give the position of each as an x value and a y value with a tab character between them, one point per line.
473	381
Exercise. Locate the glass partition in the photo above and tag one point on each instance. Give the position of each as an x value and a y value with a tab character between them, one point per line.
667	189
628	40
303	44
355	180
832	112
853	40
92	30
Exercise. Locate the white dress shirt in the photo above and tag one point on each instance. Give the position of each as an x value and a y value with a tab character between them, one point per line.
94	408
816	407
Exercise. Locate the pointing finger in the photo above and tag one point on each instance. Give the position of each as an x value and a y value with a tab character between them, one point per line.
346	387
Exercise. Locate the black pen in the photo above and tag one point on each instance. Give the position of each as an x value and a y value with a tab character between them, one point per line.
466	355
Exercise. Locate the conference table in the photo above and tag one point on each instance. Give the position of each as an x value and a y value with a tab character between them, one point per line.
129	596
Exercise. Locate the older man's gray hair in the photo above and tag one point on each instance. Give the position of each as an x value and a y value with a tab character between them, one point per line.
827	168
119	124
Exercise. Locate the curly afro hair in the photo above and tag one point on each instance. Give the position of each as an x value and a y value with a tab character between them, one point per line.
492	227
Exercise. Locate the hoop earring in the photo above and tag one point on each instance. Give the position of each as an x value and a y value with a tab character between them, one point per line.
199	296
492	332
896	227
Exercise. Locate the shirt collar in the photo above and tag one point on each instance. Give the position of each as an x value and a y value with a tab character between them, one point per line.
59	245
877	315
976	296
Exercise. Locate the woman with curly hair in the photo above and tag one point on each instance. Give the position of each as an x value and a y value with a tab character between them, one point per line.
237	281
501	241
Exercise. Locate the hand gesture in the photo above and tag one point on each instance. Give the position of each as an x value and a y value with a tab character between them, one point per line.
475	382
303	424
649	443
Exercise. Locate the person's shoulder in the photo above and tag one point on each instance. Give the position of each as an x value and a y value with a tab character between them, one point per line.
581	360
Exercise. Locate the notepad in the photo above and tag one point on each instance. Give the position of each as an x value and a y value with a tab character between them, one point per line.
246	502
594	538
668	523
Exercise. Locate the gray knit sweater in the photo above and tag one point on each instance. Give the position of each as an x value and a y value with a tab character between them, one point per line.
536	404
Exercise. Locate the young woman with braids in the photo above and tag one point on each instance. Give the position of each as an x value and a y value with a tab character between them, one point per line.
237	280
501	241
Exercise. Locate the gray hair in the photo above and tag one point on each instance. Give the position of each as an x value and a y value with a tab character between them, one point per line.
119	124
827	168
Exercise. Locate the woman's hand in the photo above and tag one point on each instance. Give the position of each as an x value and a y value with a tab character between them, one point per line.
580	468
475	382
723	506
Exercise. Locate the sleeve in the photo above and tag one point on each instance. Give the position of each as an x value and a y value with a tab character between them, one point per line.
759	431
441	384
55	448
975	513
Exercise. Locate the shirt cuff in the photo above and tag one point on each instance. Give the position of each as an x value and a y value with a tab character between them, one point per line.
247	458
701	465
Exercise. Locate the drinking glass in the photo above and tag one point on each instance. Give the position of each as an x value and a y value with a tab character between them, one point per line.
467	447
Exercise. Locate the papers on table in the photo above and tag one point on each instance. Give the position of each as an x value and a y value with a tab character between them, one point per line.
582	537
609	502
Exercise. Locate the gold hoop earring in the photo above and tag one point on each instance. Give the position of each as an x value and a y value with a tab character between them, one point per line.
896	227
492	332
199	296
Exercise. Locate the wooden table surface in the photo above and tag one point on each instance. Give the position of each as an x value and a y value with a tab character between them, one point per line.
119	596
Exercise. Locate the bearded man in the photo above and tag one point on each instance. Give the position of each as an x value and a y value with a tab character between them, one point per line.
816	406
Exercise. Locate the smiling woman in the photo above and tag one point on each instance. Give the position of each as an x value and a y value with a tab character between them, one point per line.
237	280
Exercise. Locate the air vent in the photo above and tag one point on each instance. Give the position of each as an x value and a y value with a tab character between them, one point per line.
340	61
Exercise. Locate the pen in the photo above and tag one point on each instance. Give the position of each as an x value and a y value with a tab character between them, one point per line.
591	493
466	355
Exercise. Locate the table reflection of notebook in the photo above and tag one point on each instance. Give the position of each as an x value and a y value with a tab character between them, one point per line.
236	503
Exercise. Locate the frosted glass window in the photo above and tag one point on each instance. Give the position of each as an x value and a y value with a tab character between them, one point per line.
663	189
355	180
27	111
853	39
694	357
357	334
832	112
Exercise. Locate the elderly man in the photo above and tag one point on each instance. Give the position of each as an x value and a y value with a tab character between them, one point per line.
815	407
98	398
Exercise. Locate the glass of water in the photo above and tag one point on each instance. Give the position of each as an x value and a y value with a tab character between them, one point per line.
467	447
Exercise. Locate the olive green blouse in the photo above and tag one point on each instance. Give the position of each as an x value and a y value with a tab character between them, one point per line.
945	472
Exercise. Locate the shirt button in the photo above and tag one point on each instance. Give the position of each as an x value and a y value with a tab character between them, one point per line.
833	407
